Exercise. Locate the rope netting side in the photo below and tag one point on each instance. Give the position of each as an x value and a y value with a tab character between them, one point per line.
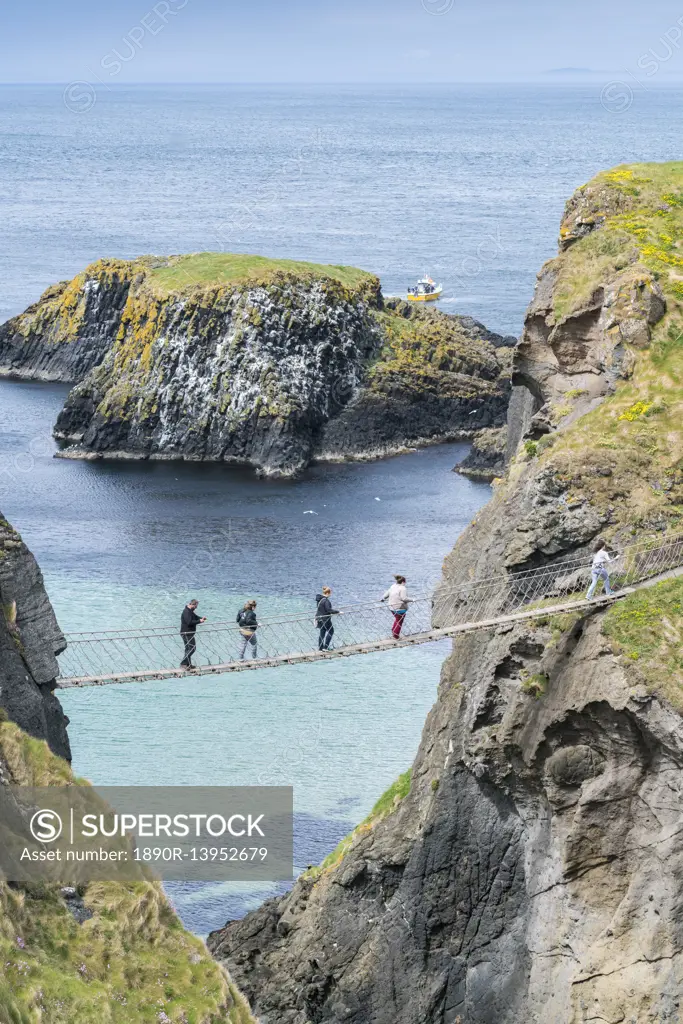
223	644
117	652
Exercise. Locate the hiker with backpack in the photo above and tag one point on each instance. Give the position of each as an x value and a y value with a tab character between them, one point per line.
246	621
323	618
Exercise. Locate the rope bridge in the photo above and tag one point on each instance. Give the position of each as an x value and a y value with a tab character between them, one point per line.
120	656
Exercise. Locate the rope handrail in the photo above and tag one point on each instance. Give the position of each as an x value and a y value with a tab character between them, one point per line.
549	569
143	651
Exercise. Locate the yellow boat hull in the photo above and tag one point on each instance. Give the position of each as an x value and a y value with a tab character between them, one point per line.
431	297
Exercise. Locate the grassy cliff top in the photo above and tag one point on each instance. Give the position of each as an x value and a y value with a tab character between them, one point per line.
59	315
219	268
621	229
631	214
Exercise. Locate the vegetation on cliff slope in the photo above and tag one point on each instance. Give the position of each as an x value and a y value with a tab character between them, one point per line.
647	629
131	962
386	805
425	350
626	455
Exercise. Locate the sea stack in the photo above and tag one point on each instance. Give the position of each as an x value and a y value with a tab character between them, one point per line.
265	363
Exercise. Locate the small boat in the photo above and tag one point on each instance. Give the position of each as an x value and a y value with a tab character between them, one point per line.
425	290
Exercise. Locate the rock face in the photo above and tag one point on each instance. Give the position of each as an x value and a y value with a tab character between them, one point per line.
533	872
486	458
268	364
30	639
69	330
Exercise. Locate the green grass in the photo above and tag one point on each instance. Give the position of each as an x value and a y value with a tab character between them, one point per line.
130	963
535	684
647	628
386	805
218	268
626	455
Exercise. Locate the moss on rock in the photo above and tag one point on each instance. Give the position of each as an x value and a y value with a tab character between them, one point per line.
617	306
647	629
128	962
386	805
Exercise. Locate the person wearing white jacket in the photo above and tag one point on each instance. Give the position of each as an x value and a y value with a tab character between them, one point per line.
599	571
398	601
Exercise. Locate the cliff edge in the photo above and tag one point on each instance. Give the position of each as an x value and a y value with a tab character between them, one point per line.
30	640
528	868
266	363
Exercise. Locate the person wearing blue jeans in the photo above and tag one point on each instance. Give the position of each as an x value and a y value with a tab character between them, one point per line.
599	571
247	623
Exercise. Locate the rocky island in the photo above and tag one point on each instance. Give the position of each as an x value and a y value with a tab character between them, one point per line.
94	952
266	363
528	867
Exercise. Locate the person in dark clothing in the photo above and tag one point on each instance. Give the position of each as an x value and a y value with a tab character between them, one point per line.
323	619
189	621
246	620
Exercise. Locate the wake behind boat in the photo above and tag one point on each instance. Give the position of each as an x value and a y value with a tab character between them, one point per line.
425	290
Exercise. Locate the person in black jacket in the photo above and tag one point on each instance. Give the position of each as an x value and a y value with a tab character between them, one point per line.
246	620
323	619
189	621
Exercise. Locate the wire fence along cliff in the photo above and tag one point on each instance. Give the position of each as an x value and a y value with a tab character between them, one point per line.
147	653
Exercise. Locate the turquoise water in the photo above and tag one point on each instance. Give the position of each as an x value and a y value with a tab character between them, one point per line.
467	182
127	544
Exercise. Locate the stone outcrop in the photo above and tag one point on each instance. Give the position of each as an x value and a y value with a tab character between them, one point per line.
580	339
437	378
533	872
30	639
71	327
282	365
486	458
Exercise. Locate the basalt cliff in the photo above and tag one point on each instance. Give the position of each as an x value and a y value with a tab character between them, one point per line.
84	953
30	640
266	363
528	869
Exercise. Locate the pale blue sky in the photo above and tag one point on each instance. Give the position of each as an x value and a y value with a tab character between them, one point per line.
343	41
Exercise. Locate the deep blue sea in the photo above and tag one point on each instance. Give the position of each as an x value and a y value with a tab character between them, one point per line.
466	182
